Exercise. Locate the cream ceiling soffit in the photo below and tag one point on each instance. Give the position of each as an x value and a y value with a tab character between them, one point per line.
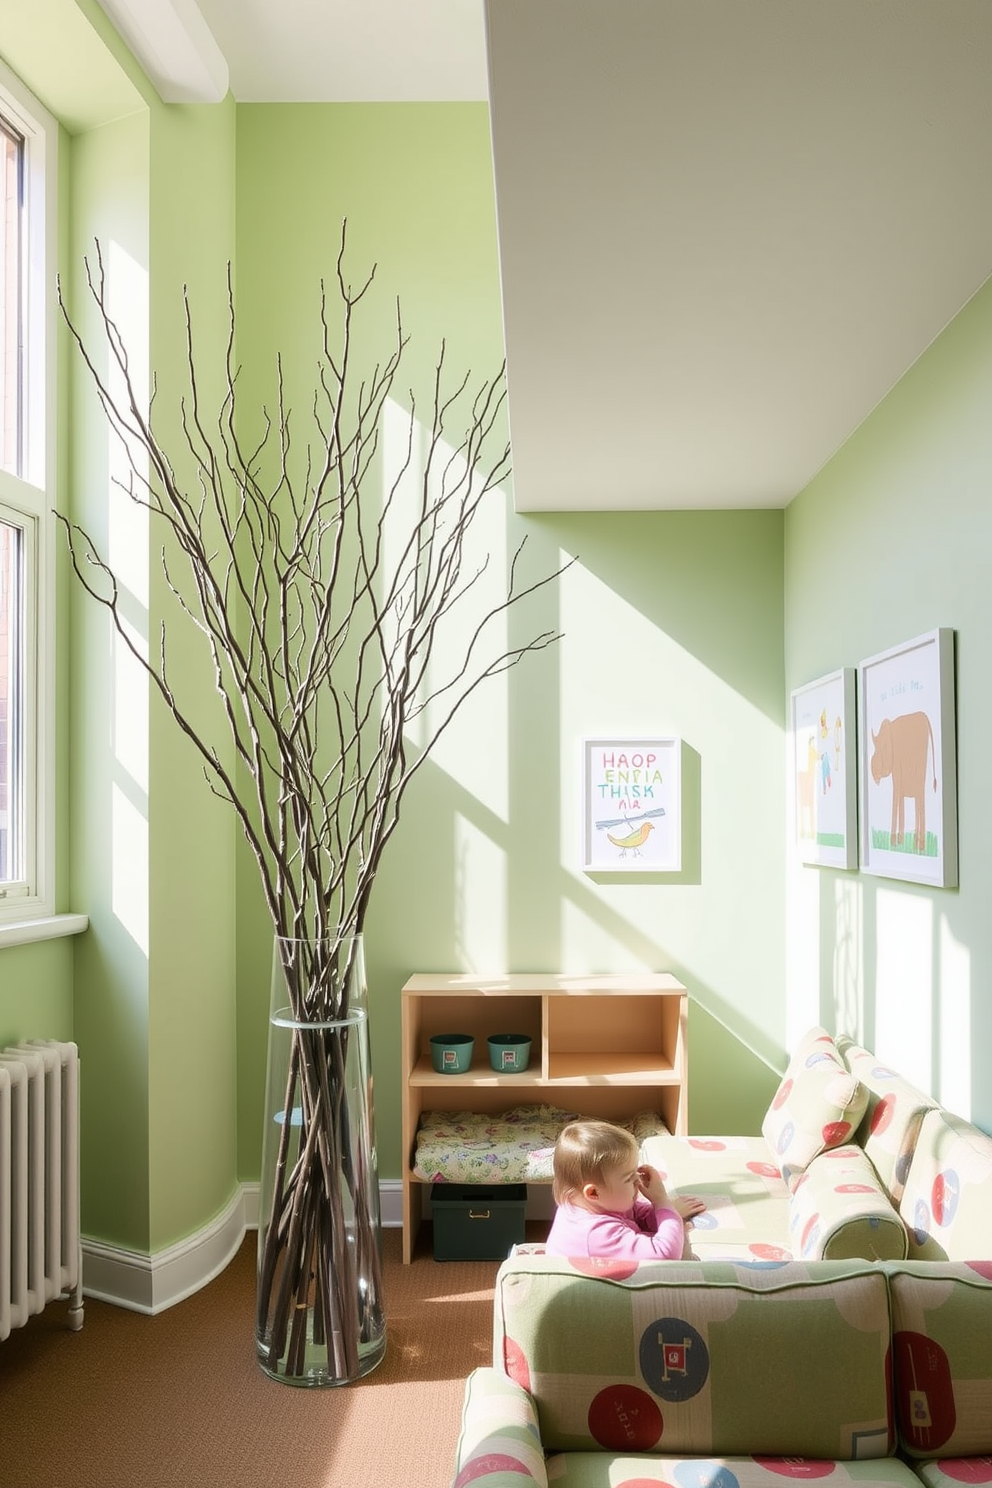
727	229
175	47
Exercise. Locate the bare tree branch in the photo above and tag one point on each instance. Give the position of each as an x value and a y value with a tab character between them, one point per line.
324	611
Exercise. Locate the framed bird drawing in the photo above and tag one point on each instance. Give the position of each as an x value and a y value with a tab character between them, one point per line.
632	805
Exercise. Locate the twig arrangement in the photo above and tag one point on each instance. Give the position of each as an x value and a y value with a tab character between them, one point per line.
320	605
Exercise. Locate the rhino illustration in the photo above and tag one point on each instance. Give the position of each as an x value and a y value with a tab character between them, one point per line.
901	746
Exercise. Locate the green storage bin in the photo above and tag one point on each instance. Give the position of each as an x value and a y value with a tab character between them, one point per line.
477	1222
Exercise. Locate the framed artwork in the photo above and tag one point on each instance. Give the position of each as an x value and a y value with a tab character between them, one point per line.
824	770
909	823
632	805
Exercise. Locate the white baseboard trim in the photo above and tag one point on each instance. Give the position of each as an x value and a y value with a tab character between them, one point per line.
151	1283
391	1203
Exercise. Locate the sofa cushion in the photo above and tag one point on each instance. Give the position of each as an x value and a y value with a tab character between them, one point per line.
839	1209
819	1104
945	1203
951	1472
615	1470
891	1123
942	1357
664	1373
747	1200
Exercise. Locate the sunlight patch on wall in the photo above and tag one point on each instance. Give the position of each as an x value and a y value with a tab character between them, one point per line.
848	950
904	990
401	459
591	944
130	739
473	751
127	544
803	949
480	899
127	302
955	1034
129	871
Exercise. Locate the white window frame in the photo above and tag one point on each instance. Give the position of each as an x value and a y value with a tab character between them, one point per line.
27	499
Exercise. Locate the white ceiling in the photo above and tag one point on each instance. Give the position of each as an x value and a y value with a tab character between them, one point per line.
726	227
351	51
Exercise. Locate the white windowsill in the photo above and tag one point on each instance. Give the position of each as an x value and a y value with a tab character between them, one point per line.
49	927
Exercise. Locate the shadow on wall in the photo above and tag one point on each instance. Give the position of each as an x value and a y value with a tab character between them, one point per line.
707	590
530	902
484	871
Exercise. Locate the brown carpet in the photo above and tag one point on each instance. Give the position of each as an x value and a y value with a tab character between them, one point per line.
178	1401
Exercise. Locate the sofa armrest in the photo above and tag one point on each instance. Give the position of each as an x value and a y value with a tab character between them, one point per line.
839	1209
500	1441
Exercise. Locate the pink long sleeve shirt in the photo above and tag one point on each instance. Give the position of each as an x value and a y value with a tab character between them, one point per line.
642	1233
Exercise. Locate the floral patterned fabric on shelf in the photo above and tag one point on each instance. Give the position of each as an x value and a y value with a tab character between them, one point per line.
501	1147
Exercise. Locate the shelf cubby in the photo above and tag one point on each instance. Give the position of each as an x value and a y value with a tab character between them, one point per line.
607	1046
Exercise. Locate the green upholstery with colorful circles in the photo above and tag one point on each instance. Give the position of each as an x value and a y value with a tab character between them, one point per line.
500	1444
934	1169
707	1358
951	1472
891	1123
942	1357
947	1201
611	1374
597	1470
747	1200
839	1209
819	1104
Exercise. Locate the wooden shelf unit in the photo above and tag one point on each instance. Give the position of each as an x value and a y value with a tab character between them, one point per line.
607	1046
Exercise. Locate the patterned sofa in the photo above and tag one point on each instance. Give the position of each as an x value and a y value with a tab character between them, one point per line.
733	1375
852	1161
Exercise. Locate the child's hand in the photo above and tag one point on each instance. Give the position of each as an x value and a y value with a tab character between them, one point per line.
686	1205
652	1186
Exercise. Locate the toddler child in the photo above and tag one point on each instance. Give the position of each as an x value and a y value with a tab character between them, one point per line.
608	1204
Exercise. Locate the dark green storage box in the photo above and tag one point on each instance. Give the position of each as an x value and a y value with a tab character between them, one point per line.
477	1222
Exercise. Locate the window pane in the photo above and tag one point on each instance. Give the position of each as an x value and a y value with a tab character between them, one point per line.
11	696
11	164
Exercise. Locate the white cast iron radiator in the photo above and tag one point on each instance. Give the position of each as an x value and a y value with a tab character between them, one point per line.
40	1251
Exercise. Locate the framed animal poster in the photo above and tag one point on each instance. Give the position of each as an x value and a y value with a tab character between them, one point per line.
909	823
824	770
632	805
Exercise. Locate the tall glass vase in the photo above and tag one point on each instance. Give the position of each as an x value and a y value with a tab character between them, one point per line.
319	1318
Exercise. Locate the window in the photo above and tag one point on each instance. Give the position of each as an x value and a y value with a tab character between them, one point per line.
27	492
12	145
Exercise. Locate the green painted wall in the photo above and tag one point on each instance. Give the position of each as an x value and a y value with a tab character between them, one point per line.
36	991
108	769
147	851
672	622
890	541
192	1069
